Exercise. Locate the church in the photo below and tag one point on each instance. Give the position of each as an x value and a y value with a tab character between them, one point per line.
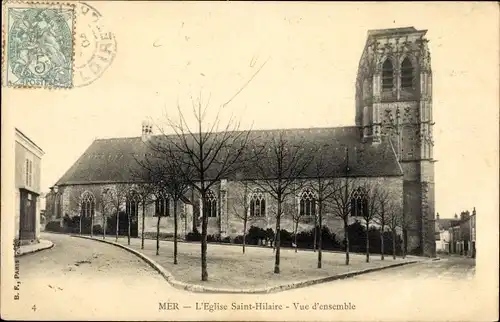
390	143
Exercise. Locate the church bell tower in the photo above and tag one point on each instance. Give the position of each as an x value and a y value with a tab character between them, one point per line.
394	101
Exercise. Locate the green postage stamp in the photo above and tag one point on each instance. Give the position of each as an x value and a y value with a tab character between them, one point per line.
38	44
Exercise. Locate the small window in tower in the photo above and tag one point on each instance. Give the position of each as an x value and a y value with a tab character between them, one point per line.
406	74
387	75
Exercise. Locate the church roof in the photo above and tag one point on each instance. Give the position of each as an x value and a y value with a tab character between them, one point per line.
109	160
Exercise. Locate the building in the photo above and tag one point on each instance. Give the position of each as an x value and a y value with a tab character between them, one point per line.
28	158
443	233
390	143
473	234
463	234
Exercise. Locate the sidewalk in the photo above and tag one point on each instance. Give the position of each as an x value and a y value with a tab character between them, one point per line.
32	248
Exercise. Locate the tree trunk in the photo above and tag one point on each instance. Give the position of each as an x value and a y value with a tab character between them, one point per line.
320	241
80	226
404	243
382	242
143	221
278	239
117	224
244	234
128	228
204	226
158	235
175	232
91	225
394	236
346	235
295	235
367	244
104	224
315	234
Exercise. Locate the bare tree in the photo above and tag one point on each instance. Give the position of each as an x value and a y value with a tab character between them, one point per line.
370	194
341	201
279	165
405	226
325	187
242	200
117	197
207	155
104	203
297	216
382	209
144	186
394	220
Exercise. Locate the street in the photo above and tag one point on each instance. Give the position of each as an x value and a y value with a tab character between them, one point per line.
84	279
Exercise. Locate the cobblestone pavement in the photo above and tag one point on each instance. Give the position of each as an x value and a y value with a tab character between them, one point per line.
84	279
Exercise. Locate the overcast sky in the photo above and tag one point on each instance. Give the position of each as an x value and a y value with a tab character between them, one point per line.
312	52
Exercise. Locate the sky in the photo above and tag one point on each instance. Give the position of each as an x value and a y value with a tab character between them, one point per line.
168	52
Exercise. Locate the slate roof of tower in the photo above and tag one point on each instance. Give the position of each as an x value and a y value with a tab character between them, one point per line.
107	160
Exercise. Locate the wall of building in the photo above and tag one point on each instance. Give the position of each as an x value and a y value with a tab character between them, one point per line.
230	202
24	151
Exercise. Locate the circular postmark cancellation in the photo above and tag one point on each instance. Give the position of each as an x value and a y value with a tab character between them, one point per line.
95	46
40	47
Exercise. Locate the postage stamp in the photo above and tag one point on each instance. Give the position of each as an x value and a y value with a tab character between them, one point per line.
38	44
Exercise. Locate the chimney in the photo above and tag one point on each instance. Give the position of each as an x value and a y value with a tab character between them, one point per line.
147	130
437	216
456	217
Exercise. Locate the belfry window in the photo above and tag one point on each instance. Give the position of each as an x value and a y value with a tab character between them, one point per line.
406	74
387	75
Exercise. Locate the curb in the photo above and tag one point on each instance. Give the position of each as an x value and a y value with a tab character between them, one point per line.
273	289
49	246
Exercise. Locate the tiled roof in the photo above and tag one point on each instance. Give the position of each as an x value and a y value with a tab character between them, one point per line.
109	160
446	223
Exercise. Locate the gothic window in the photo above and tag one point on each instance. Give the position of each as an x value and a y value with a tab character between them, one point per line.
87	205
307	206
387	75
406	74
132	205
257	204
162	206
359	203
210	207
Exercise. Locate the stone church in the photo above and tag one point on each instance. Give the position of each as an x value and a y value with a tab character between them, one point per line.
391	144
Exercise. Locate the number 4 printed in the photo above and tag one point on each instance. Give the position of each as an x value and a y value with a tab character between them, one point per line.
33	308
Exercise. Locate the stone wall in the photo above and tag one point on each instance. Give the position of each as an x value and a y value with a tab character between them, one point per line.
230	203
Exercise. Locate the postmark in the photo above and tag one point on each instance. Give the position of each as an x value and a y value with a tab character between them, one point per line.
95	45
39	44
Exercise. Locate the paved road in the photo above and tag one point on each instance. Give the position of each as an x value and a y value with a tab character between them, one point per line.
84	279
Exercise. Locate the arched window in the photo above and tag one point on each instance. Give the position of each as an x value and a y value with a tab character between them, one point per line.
406	74
88	205
162	206
359	203
307	203
210	207
257	204
132	205
387	75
